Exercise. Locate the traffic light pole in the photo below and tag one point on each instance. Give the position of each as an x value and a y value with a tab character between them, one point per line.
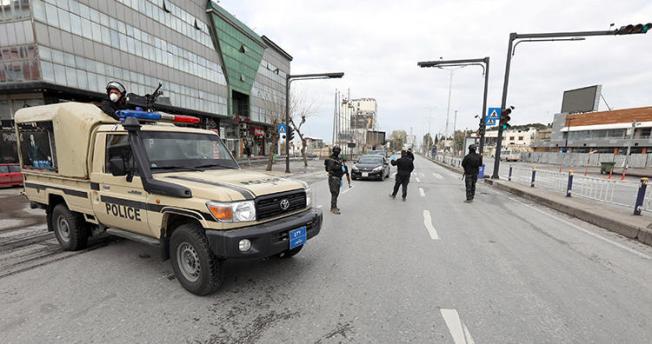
503	104
288	80
539	37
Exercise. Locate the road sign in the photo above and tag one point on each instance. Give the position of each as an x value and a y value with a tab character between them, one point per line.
282	128
493	117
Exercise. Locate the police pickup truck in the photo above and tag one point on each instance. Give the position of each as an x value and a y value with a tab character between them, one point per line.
146	179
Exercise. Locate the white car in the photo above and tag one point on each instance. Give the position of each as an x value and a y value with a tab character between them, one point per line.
510	156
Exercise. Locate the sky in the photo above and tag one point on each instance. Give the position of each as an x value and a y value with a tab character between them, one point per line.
377	44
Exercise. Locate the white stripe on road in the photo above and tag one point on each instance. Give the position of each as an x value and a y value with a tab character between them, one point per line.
630	250
394	174
427	221
422	193
438	176
456	327
418	180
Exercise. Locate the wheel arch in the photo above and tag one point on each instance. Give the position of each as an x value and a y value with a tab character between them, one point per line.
172	219
53	200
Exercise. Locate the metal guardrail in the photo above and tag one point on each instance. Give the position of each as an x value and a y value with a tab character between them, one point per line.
611	191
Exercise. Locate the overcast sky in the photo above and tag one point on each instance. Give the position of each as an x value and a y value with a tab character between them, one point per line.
378	43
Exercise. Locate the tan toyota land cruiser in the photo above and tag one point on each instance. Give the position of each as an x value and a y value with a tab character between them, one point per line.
151	181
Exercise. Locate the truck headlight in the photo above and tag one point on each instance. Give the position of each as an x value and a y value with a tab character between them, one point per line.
308	197
233	211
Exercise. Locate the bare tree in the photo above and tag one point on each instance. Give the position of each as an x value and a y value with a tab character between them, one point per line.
300	108
275	105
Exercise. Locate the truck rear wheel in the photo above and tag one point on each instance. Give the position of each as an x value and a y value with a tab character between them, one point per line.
195	266
69	228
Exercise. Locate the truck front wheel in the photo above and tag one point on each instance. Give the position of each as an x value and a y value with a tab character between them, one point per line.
69	228
195	266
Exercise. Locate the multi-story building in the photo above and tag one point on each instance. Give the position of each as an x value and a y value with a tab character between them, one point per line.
519	140
601	132
359	118
210	64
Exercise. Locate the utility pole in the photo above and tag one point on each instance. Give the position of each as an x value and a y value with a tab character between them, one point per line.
448	108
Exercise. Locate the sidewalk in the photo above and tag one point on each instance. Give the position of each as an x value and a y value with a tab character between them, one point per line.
619	221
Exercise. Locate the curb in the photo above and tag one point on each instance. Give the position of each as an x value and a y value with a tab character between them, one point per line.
604	219
448	167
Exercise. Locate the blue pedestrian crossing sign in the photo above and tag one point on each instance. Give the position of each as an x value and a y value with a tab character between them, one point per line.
493	117
282	128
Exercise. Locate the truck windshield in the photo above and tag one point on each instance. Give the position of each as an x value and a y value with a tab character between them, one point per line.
182	151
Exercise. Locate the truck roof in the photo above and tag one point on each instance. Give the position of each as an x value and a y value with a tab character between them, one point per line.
72	113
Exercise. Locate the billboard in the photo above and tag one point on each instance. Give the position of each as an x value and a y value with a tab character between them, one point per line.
584	99
8	147
362	120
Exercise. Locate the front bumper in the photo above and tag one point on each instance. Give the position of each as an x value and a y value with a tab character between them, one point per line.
267	239
372	174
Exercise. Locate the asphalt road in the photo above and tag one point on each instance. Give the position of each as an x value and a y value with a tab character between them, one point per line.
429	270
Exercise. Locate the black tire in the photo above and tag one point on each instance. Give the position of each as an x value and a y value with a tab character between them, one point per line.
202	273
290	253
70	229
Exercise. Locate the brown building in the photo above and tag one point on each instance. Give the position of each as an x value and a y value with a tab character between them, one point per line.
601	132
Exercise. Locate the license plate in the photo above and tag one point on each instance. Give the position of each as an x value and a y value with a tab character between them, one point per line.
297	237
365	174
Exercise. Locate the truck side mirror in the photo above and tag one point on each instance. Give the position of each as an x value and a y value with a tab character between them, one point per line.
117	166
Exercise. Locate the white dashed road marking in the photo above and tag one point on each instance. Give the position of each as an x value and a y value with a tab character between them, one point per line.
418	180
422	193
438	176
456	327
427	221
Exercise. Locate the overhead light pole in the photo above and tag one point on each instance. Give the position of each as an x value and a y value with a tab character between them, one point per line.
516	38
288	81
482	62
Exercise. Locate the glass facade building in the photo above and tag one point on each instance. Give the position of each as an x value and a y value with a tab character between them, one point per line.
61	50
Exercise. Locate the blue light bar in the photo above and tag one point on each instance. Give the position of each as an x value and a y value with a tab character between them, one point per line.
144	115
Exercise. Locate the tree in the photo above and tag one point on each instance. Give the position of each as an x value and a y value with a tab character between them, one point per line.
275	105
427	142
398	139
300	108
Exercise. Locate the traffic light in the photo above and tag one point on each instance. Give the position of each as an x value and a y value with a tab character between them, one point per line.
632	29
482	127
505	117
290	134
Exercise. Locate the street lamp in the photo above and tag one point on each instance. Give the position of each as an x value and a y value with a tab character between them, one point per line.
551	37
288	80
482	62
